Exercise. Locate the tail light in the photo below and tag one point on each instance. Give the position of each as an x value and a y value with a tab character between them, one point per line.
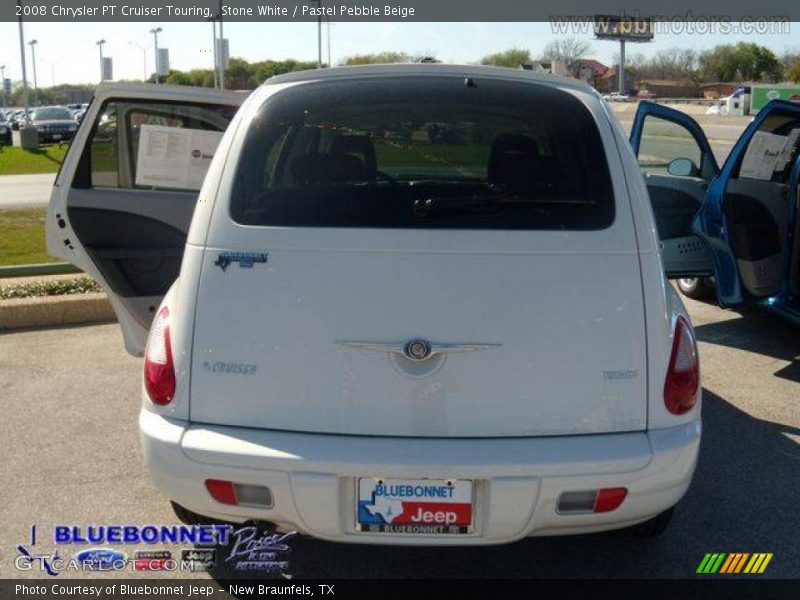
683	374
159	370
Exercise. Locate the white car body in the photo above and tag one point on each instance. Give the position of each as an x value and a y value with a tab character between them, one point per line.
547	376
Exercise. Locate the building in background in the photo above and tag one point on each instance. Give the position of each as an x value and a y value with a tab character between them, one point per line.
667	88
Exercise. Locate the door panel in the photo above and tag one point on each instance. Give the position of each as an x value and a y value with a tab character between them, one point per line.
676	201
659	137
757	214
138	256
122	205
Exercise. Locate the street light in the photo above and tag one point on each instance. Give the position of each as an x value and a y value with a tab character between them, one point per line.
213	21
144	59
28	137
221	51
3	83
155	33
32	44
100	45
319	34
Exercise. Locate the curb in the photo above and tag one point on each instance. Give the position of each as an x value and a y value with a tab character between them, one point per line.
55	311
37	269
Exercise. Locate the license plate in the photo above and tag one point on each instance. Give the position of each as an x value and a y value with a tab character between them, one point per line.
57	136
414	506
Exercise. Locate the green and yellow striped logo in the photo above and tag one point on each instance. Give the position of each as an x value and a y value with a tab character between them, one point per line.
734	562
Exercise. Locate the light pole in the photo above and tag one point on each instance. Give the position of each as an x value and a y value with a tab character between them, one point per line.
28	137
221	51
3	83
319	35
329	42
155	33
32	44
144	59
100	45
214	46
22	61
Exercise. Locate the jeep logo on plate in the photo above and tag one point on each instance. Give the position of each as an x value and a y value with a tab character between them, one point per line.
417	350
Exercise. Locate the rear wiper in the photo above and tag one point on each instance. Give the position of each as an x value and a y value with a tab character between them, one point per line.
423	207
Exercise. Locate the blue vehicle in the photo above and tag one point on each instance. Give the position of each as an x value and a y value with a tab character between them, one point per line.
737	223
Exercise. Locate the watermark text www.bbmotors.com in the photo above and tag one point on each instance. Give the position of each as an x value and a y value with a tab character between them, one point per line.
688	23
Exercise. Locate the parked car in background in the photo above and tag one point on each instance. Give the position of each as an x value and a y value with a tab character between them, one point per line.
616	97
5	131
465	338
53	124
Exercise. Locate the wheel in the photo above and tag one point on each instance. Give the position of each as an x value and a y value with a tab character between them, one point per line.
698	288
652	528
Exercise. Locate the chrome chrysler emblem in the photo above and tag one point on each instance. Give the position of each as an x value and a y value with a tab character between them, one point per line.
417	349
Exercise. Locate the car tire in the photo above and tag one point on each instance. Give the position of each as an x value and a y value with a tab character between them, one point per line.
698	288
652	528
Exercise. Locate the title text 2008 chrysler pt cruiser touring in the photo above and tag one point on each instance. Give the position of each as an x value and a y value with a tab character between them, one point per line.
417	304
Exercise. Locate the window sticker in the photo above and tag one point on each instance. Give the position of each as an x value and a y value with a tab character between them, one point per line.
171	157
762	156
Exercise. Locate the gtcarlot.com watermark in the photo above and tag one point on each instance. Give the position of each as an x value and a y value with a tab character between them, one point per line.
689	23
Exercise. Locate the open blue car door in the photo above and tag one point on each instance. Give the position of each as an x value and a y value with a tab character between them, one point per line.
750	213
744	219
678	166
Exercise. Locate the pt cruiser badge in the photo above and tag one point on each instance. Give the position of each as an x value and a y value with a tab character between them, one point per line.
246	260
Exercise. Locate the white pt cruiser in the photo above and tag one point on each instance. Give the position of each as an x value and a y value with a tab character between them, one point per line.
409	304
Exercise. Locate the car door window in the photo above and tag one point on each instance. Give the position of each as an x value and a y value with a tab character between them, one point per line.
666	146
772	150
152	145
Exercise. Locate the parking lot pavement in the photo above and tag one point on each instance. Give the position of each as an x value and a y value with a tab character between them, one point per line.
25	191
71	455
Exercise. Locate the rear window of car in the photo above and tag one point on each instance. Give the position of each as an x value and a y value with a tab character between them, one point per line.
423	152
51	114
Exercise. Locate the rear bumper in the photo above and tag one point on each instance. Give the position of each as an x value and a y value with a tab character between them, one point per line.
518	481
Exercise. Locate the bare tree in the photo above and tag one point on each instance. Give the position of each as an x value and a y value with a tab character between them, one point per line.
568	50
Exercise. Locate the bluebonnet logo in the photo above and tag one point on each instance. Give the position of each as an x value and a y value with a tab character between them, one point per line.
102	559
204	535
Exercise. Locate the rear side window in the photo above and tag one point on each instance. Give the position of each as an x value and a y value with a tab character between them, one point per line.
152	145
773	149
423	152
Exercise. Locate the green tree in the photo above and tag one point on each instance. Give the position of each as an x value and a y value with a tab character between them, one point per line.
177	78
793	74
240	75
745	61
512	58
380	58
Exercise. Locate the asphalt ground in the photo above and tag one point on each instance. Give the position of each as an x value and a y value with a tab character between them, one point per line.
70	448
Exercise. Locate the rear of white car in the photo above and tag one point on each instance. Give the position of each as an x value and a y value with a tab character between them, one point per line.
422	305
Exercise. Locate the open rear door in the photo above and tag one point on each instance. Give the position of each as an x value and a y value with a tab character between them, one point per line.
751	210
122	204
678	165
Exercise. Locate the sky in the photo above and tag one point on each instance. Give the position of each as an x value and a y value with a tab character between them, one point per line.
67	53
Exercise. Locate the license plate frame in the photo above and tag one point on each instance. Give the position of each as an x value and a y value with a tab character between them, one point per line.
422	508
